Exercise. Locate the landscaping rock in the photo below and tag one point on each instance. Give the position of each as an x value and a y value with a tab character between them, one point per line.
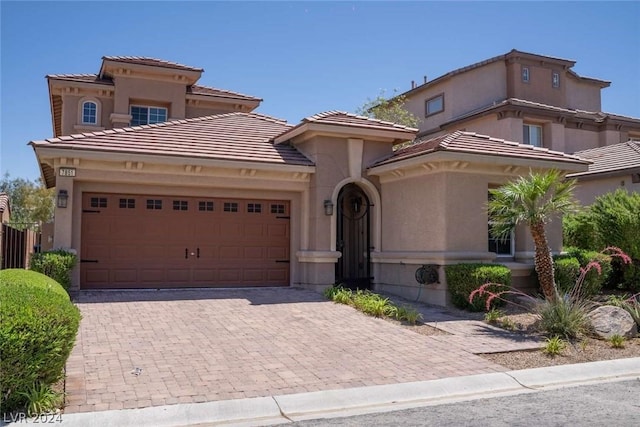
608	321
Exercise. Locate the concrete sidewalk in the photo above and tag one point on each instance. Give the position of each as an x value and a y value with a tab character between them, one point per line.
281	409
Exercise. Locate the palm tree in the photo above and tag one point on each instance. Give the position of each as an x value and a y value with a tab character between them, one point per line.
533	200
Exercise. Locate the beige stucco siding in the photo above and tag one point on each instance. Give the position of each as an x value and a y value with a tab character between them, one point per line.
463	93
587	190
413	214
579	139
465	212
138	91
582	96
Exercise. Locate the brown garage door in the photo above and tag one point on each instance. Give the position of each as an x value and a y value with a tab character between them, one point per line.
133	241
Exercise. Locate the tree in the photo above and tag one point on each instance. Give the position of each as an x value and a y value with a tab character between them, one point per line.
533	200
389	110
31	201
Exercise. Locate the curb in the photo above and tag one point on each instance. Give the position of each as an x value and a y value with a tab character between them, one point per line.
355	401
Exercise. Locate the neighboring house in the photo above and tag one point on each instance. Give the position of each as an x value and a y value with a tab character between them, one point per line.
244	199
5	208
523	97
614	166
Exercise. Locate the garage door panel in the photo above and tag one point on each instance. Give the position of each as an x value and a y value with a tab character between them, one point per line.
229	275
230	253
278	230
277	253
152	275
136	246
125	275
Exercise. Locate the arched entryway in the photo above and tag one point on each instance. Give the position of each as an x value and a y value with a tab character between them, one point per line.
353	238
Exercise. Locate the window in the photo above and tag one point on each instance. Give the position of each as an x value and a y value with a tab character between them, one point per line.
434	105
98	202
154	204
147	115
532	135
230	207
180	205
555	79
89	113
205	206
503	247
127	203
254	207
277	209
525	74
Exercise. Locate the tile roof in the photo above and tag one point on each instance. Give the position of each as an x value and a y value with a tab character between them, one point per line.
473	143
232	136
88	78
350	119
611	158
222	93
4	201
512	53
595	116
143	60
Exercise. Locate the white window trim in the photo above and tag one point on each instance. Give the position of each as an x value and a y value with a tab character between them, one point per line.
81	124
541	134
512	240
148	107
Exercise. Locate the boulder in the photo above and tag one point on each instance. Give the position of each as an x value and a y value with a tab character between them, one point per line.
608	321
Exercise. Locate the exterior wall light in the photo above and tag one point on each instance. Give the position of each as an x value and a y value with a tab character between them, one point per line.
328	207
63	198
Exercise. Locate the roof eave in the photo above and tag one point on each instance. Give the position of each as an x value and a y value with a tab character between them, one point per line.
457	155
314	128
44	149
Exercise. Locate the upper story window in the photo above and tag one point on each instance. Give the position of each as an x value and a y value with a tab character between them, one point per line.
525	74
89	113
147	115
434	105
555	79
532	135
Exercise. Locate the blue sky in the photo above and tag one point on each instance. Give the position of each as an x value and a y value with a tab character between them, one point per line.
300	57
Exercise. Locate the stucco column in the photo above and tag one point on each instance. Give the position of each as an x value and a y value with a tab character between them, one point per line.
63	216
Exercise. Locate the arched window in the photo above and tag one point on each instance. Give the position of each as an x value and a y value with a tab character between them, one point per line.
89	113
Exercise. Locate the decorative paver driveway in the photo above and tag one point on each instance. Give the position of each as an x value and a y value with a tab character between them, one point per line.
205	345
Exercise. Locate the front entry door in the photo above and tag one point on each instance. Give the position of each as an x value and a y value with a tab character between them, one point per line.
353	269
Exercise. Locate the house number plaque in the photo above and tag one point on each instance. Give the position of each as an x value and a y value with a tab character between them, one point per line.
67	172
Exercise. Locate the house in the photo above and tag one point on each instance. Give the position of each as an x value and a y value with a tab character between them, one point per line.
219	195
523	97
614	166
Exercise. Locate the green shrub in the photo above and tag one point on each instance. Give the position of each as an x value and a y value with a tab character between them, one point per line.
55	264
567	271
463	279
578	230
594	280
38	326
554	346
616	218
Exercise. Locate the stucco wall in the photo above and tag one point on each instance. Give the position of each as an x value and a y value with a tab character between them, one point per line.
582	96
149	92
463	93
587	190
579	139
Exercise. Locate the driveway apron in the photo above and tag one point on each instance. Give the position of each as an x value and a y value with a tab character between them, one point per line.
147	348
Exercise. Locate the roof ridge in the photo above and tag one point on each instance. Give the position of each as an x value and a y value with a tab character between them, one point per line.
73	75
331	113
232	92
150	58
